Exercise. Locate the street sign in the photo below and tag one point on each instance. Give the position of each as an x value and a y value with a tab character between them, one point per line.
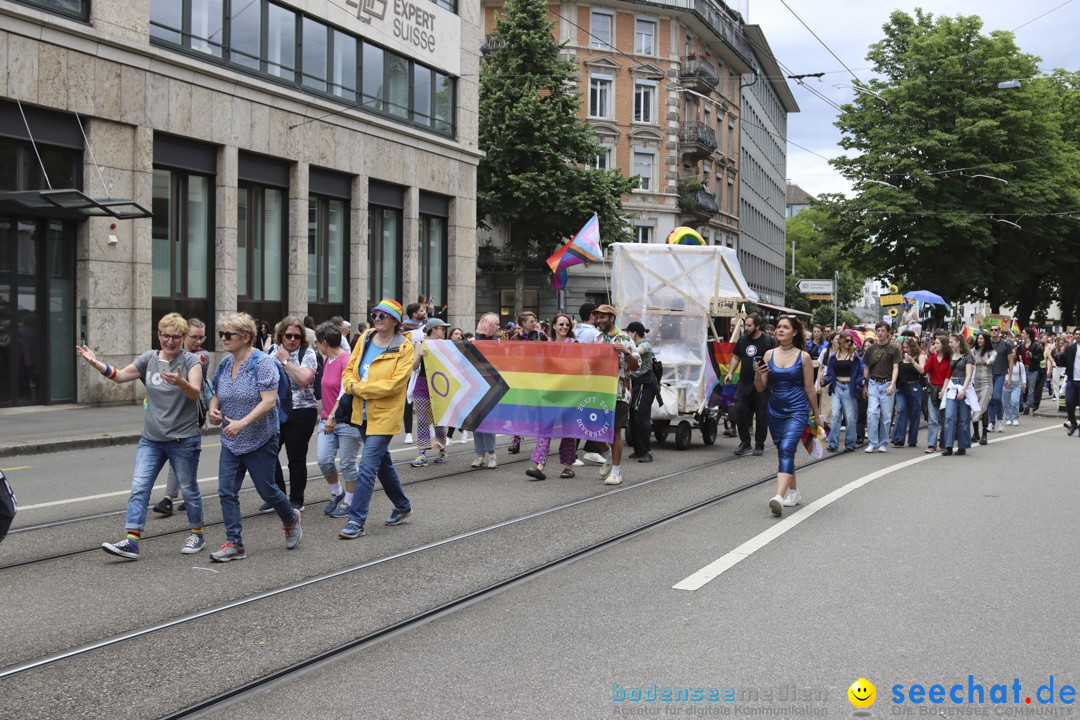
815	286
821	297
894	299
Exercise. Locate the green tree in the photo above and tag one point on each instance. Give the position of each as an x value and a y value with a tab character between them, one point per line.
534	178
958	181
818	255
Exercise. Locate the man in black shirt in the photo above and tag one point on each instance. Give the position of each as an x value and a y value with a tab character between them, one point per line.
1002	373
750	349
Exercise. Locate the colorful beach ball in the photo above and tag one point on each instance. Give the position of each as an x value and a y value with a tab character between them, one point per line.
685	236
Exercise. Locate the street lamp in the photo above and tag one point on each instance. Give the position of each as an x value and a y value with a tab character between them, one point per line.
1009	85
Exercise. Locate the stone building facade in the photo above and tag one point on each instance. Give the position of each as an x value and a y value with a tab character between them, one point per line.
300	157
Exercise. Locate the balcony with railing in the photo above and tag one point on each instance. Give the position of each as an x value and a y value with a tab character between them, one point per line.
698	74
697	139
695	201
721	21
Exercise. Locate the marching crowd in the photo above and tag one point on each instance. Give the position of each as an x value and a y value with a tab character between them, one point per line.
276	388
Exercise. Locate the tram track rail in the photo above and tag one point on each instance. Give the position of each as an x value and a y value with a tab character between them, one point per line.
217	701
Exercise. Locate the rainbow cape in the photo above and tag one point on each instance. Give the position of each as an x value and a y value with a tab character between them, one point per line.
529	389
721	355
583	247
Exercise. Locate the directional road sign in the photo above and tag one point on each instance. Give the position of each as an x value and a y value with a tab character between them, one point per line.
815	286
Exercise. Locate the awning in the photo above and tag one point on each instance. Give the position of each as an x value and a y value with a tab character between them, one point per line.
784	310
69	204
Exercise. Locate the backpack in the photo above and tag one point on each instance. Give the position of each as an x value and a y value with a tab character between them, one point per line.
316	384
284	386
658	375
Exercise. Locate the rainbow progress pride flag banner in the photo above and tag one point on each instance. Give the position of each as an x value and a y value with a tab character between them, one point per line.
720	355
531	389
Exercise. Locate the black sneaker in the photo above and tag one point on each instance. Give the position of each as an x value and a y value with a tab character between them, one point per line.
164	507
742	449
181	506
646	458
266	508
1070	429
759	451
961	451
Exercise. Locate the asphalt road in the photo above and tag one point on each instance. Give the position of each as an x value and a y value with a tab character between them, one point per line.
945	567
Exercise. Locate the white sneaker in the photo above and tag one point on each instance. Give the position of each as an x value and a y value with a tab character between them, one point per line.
883	449
578	463
613	479
777	505
1000	426
792	498
478	462
408	438
869	449
1016	422
464	436
593	458
605	469
491	462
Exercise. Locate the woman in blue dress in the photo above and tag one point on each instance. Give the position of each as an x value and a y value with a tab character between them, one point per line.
788	371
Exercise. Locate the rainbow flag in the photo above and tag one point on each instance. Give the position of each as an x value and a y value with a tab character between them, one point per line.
1015	329
538	389
583	247
967	333
721	355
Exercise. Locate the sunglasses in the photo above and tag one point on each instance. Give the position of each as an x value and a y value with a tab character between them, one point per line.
292	336
227	335
174	338
377	316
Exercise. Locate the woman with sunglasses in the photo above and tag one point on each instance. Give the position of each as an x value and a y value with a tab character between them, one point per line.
173	380
377	379
484	443
300	364
562	331
843	377
245	403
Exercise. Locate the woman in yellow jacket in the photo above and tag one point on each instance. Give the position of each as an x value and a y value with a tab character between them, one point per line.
377	377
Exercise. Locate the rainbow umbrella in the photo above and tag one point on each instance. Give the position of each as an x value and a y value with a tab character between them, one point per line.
685	236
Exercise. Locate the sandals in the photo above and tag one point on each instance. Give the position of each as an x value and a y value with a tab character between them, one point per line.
566	473
536	474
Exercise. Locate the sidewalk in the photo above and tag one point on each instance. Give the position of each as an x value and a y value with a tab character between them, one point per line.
45	428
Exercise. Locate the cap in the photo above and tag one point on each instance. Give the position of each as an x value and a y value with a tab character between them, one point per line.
636	327
606	310
434	323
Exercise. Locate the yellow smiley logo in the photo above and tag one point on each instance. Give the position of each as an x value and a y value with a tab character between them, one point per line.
862	693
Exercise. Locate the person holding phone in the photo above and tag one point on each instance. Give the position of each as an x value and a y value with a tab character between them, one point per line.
173	379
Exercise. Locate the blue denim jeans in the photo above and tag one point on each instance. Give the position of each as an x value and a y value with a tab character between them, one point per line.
1011	400
845	409
1034	390
150	457
957	423
933	418
997	408
343	443
483	442
909	403
376	461
260	464
879	409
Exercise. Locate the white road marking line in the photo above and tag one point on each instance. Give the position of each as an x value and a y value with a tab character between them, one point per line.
120	493
748	548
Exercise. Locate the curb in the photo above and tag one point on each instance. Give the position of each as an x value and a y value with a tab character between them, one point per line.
41	447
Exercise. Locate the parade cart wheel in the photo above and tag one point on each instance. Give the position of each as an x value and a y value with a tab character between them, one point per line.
660	430
682	435
708	431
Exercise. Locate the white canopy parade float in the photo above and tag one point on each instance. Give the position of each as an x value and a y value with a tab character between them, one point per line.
676	291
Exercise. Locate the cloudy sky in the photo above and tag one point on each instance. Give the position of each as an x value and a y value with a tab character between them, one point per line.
849	27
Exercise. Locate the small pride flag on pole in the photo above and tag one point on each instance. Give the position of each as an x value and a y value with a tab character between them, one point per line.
584	246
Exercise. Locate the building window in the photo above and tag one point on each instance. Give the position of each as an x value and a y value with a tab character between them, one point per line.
384	252
600	101
731	194
645	101
643	233
530	302
182	250
328	250
643	167
433	258
604	159
74	8
261	224
275	41
600	28
645	37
